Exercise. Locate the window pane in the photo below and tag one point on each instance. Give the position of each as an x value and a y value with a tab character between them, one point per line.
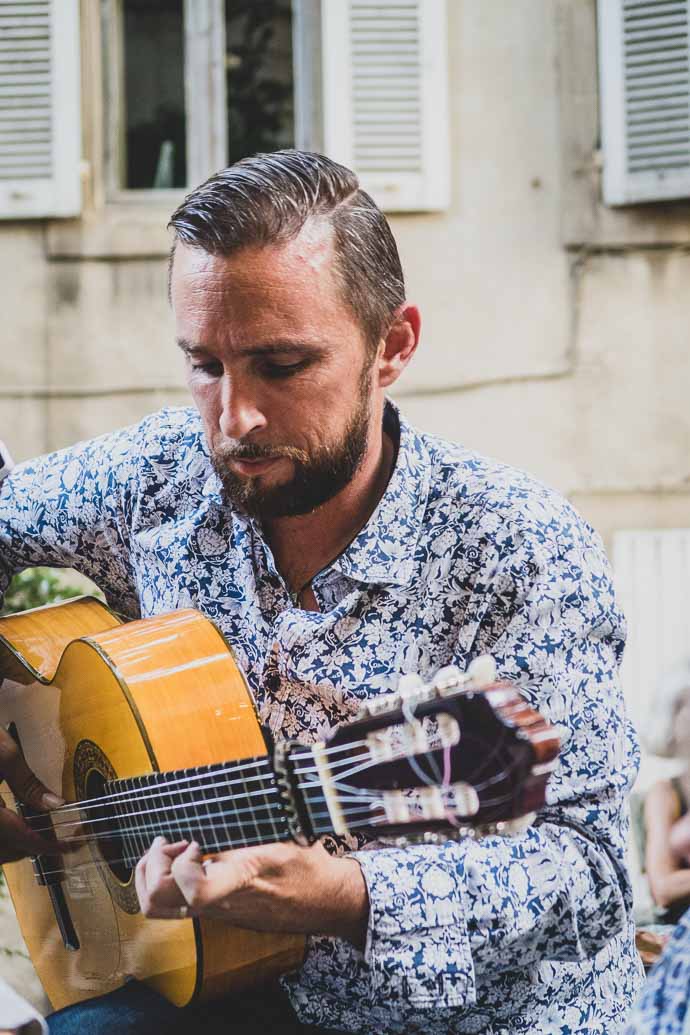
154	116
259	77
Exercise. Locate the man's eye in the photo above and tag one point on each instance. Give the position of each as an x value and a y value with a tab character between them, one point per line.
278	370
212	369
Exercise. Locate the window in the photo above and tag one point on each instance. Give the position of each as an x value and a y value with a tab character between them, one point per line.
193	85
176	89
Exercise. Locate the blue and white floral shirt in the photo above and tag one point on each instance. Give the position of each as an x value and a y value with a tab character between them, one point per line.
462	556
664	1006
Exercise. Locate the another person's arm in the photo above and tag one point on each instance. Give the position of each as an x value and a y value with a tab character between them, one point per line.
669	880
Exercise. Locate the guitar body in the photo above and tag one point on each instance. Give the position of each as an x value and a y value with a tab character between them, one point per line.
91	699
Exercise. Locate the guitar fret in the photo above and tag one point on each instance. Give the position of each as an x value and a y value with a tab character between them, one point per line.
206	834
275	836
313	808
130	849
249	830
220	809
138	833
228	806
184	820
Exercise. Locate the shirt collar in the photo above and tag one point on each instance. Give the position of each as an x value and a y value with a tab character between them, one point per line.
384	550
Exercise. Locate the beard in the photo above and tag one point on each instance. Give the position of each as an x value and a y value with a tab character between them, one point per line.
317	476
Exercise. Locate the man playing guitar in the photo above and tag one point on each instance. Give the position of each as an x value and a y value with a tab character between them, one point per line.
338	548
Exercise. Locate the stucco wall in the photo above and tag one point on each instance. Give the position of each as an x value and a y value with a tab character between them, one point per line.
571	362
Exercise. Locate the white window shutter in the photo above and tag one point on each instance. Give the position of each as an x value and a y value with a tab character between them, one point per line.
385	104
40	139
652	569
644	84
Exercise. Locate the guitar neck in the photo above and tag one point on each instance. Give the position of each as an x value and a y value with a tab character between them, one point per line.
223	806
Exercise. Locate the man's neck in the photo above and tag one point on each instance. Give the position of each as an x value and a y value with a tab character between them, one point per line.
305	544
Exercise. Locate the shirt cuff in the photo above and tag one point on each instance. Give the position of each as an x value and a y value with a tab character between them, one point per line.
417	945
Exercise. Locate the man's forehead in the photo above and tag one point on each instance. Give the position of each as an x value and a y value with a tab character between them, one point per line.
311	251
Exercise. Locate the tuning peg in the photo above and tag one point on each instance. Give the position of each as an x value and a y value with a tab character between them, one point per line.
410	684
397	807
482	671
448	680
465	799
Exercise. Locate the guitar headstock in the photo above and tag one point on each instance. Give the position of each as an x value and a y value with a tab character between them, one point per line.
460	755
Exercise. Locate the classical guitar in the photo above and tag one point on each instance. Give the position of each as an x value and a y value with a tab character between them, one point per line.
148	727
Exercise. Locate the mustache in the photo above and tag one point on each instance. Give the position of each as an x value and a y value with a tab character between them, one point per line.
253	451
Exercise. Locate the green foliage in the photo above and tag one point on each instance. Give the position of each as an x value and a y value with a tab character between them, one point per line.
35	587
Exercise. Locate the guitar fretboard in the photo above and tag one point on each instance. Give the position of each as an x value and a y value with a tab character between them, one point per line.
228	805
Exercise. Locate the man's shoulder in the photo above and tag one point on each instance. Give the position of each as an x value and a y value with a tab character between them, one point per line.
488	495
167	428
166	447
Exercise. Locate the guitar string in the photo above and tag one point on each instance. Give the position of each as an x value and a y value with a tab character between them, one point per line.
130	794
231	768
247	842
268	788
148	793
189	805
174	825
373	823
121	832
202	823
122	827
126	797
267	779
353	771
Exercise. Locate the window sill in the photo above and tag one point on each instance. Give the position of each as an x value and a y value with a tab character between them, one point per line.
135	229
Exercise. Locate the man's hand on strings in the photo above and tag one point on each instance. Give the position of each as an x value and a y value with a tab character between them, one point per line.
278	887
17	839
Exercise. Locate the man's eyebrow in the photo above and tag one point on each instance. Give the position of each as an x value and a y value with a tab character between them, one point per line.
274	348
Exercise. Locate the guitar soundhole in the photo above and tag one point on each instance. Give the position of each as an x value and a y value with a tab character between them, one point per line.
92	773
103	823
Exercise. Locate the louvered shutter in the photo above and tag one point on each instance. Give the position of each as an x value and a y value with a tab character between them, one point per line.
386	98
652	569
644	81
39	108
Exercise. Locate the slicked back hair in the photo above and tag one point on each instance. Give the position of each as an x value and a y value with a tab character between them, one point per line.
268	198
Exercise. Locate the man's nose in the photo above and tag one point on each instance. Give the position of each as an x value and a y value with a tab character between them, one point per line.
240	413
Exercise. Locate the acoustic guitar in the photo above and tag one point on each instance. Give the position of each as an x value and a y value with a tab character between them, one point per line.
148	727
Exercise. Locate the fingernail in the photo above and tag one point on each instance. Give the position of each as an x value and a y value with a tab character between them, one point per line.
51	801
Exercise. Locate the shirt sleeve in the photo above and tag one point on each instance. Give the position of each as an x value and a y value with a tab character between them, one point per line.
441	917
664	1005
69	510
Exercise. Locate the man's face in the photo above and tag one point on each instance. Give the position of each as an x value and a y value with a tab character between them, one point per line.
279	370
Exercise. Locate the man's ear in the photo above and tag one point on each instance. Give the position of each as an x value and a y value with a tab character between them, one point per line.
399	345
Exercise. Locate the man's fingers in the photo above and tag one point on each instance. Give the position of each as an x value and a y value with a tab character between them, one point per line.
17	840
208	881
22	781
190	875
158	894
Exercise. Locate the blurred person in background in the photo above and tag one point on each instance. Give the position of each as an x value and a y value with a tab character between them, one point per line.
667	803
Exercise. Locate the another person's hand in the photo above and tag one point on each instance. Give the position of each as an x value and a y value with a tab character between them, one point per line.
17	839
278	887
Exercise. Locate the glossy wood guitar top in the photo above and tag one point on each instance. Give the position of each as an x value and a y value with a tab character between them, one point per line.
91	697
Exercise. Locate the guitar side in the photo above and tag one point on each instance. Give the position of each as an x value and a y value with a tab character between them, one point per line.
157	694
